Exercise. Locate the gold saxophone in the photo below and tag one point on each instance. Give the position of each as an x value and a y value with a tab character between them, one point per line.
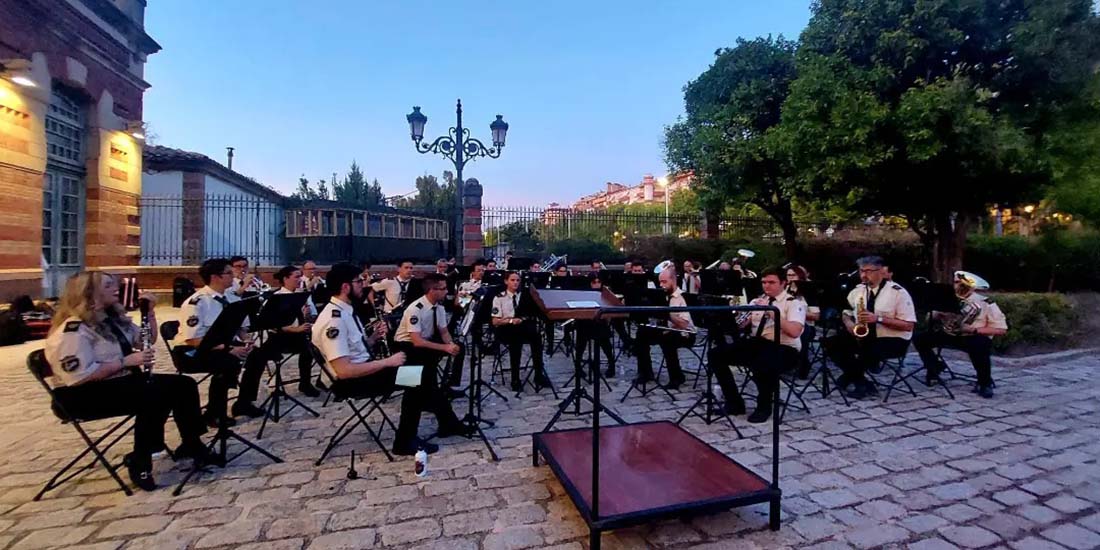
861	330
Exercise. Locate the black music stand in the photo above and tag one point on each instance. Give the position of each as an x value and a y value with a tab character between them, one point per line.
476	313
520	264
535	279
721	283
717	328
638	294
222	333
493	278
280	310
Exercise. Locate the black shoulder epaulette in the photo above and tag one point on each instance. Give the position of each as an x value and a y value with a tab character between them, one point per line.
335	313
195	300
501	295
72	326
791	298
896	286
419	305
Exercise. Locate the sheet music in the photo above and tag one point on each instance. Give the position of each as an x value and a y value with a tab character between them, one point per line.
582	304
408	376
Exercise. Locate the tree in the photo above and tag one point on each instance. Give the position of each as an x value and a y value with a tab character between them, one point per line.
933	110
730	110
356	192
1074	150
432	198
307	193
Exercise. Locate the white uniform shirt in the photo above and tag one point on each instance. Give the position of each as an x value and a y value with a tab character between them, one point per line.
690	283
198	313
505	304
989	314
338	333
395	291
311	283
676	299
790	309
891	301
76	351
418	318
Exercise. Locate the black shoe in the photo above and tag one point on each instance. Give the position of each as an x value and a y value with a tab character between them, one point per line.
870	389
517	386
675	383
308	390
199	453
735	407
610	372
986	391
762	413
640	380
141	472
803	373
247	409
453	393
459	429
416	445
212	420
857	392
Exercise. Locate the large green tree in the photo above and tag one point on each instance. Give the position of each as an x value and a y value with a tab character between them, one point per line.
933	109
356	192
432	197
724	135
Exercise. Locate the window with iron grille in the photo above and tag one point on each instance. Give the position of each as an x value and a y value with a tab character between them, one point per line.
63	193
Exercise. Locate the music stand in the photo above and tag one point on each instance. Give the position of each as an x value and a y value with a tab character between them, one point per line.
555	305
520	264
535	279
570	282
493	278
222	333
473	419
721	283
718	325
280	310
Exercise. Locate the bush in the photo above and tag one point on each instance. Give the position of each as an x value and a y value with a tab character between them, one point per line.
1035	319
582	251
1058	260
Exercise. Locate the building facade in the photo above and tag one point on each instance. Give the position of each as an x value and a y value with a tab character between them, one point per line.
71	87
193	208
648	191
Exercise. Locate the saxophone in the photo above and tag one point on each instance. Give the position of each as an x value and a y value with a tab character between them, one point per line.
861	330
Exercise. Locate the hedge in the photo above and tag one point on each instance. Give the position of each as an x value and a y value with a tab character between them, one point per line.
1035	319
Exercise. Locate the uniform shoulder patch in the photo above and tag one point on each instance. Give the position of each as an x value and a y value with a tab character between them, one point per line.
792	298
414	320
332	333
895	286
419	305
496	311
195	300
335	313
72	326
193	321
501	295
70	363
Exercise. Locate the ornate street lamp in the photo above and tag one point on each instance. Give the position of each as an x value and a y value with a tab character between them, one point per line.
460	148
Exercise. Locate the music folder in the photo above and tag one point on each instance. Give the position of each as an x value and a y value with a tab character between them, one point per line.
280	310
229	321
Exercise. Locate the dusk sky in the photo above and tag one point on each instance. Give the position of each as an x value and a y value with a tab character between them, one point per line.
306	87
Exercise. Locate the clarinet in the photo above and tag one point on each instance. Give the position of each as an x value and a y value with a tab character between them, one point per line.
146	336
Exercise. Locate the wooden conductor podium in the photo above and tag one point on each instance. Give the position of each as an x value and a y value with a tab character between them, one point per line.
554	304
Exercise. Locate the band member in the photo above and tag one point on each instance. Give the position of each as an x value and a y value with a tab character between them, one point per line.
535	266
95	353
507	260
759	351
490	264
198	314
515	331
740	261
561	271
310	279
463	298
725	266
394	290
595	267
636	268
243	282
972	330
441	267
423	333
690	281
338	334
586	330
628	266
795	275
291	339
468	288
682	335
886	310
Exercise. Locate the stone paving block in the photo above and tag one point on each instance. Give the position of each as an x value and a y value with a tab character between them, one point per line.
1068	504
1034	543
1073	536
513	538
54	537
877	536
969	536
134	526
345	540
410	531
932	544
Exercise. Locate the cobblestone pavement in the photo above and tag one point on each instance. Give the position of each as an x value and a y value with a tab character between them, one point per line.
1018	471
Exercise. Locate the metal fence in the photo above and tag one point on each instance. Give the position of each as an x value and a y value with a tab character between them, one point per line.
184	230
534	229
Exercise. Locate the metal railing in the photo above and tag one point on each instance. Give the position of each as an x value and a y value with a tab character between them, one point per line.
179	230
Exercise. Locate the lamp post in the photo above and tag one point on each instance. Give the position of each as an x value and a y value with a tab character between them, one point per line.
460	148
664	184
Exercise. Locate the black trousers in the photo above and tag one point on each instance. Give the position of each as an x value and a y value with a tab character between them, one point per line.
764	358
620	328
585	332
514	337
670	342
855	356
150	399
274	347
427	357
426	397
224	368
454	375
808	333
979	348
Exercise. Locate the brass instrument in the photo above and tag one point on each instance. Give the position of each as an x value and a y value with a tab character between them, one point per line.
744	316
954	322
861	330
657	269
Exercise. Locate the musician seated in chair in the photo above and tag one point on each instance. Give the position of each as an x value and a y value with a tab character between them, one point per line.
515	331
796	274
681	335
759	351
96	353
586	330
463	298
423	333
292	339
198	314
243	282
690	281
394	290
972	330
879	326
338	334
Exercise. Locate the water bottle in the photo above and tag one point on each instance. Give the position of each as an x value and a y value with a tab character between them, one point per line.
420	467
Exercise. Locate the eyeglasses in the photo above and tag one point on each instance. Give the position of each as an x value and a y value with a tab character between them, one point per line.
358	281
869	269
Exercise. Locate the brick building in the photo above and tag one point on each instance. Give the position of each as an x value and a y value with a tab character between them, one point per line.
71	87
649	191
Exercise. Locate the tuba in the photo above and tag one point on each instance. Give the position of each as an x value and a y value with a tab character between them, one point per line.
659	268
861	330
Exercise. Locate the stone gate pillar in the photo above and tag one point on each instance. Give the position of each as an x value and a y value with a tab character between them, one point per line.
472	240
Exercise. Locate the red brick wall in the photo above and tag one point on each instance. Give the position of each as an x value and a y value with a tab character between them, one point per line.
112	235
20	217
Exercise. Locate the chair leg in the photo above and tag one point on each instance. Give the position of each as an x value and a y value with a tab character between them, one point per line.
92	446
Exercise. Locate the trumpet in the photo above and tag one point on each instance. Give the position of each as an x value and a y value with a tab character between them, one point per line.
744	316
861	330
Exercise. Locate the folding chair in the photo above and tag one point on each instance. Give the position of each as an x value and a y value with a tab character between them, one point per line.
360	412
895	366
40	368
168	332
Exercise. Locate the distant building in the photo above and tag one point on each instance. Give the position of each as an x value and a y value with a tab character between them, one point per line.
649	191
71	88
194	208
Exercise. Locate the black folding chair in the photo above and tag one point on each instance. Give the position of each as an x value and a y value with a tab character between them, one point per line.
360	412
168	332
40	368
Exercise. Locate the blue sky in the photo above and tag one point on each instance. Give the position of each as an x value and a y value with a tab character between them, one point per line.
586	86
